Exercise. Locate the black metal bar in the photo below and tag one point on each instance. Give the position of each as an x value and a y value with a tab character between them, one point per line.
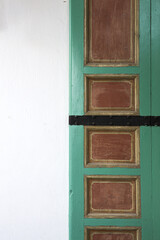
114	120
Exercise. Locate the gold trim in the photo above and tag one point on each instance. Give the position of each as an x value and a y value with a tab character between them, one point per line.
132	79
90	231
134	162
134	59
136	197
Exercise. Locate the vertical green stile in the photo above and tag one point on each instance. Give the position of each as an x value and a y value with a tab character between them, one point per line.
155	98
155	182
76	212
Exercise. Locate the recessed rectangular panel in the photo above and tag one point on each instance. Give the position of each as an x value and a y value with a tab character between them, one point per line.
111	32
112	196
111	147
111	94
112	233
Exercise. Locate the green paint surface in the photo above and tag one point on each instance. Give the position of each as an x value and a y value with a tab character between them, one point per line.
149	171
155	182
77	68
77	172
155	111
155	57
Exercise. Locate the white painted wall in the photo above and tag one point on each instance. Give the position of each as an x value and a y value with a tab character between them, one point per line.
34	119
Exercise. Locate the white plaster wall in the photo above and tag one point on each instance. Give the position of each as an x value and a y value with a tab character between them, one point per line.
34	119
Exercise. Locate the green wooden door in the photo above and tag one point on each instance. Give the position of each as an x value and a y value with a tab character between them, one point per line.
114	154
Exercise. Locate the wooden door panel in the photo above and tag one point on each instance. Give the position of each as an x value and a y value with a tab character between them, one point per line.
111	32
111	94
112	196
112	181
112	233
78	221
111	147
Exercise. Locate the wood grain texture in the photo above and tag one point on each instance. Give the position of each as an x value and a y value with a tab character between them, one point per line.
111	146
113	236
112	196
111	33
111	94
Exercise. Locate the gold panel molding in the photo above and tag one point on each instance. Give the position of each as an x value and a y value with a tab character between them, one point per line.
112	196
111	33
111	94
112	233
111	146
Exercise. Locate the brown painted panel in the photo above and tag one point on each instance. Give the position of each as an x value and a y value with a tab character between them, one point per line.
112	196
111	94
111	146
111	34
113	236
112	233
111	31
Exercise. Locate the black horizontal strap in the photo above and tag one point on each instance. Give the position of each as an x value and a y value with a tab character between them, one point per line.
95	120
